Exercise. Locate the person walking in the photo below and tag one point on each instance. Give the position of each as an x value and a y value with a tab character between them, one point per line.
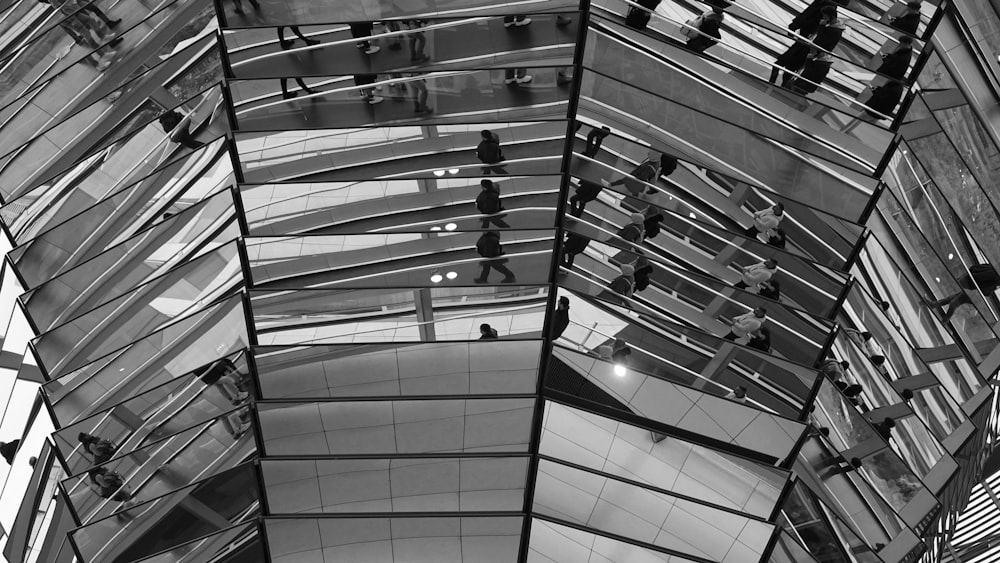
643	272
766	219
224	376
788	62
417	40
646	171
808	20
239	6
884	99
885	427
110	485
708	31
363	82
813	73
776	237
178	126
516	21
758	273
651	223
833	368
830	31
739	395
363	30
770	289
761	340
488	246
420	94
634	229
980	277
285	94
594	139
486	332
574	244
489	152
638	17
99	449
909	20
747	323
287	43
560	318
585	193
488	203
897	63
624	283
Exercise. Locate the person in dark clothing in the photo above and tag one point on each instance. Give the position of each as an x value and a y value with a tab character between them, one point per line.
776	237
178	126
624	284
709	32
633	230
651	225
92	9
360	31
285	94
646	172
560	318
807	22
488	246
895	64
287	43
668	163
109	485
489	152
488	203
417	40
792	60
909	20
8	449
594	140
885	427
224	376
813	74
585	193
98	448
838	465
575	244
761	340
486	332
771	289
830	31
983	277
637	18
643	271
363	81
884	99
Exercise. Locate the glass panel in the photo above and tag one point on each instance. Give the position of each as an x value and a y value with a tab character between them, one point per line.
596	501
671	464
177	349
368	315
311	11
244	540
453	368
381	540
423	205
132	316
179	404
225	499
391	427
557	543
395	485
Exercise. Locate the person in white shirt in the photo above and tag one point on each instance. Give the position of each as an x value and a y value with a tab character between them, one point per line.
766	219
757	273
747	323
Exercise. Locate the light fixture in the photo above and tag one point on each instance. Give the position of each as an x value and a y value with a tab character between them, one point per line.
451	275
436	277
450	227
951	256
693	216
435	228
453	171
439	173
620	370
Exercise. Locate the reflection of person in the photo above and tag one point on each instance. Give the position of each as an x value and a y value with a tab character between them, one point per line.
287	43
791	60
981	276
746	323
739	395
361	30
224	377
486	332
813	74
560	318
488	203
895	64
770	289
634	230
624	284
909	20
110	485
8	449
585	193
766	219
885	427
807	21
420	94
367	92
838	465
178	126
489	152
236	423
708	31
638	18
99	449
594	139
834	369
289	95
884	99
575	244
239	6
488	246
646	172
417	40
651	223
758	273
871	346
831	29
761	340
776	237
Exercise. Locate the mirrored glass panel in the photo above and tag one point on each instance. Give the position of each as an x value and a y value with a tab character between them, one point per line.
444	368
236	542
395	485
557	543
391	427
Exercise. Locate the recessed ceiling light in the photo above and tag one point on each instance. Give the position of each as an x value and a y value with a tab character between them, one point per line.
436	277
450	227
436	228
451	275
439	173
453	171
